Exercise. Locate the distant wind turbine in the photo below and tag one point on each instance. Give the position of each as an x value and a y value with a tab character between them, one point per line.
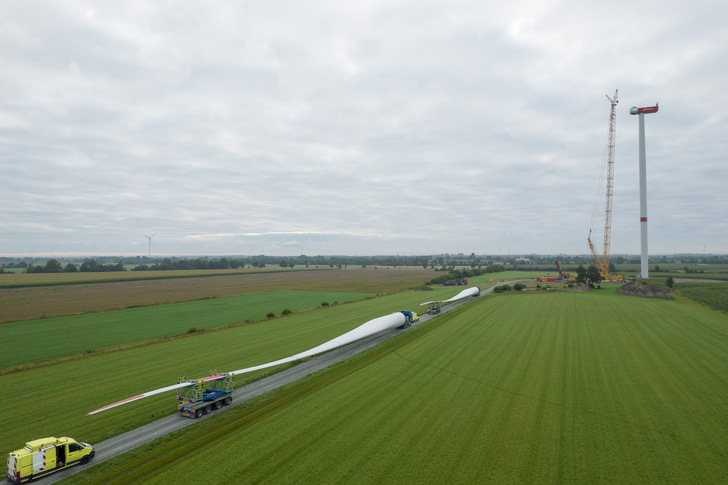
150	242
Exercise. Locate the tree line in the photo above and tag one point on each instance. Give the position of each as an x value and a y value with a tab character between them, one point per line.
444	262
88	266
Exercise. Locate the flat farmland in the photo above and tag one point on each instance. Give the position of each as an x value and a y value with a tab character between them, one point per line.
710	294
53	300
33	342
548	387
54	399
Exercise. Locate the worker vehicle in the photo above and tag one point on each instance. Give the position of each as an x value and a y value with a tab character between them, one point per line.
456	282
205	396
44	456
409	318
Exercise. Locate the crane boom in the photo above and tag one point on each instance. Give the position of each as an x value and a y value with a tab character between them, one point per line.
602	263
604	269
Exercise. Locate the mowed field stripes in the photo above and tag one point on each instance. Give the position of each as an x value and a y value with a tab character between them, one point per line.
544	387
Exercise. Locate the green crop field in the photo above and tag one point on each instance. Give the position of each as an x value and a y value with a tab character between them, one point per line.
53	400
541	387
53	338
678	270
42	279
32	298
712	295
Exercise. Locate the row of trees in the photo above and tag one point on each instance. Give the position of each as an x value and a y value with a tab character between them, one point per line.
446	260
467	273
588	276
445	263
89	266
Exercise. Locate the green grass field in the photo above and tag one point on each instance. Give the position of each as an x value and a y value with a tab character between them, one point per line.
712	295
537	387
544	387
54	400
53	338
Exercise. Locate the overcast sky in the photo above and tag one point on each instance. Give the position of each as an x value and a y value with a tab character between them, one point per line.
358	127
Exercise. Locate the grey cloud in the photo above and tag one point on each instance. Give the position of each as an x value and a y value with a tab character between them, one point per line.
358	127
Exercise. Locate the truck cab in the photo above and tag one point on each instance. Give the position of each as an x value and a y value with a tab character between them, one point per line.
44	456
409	318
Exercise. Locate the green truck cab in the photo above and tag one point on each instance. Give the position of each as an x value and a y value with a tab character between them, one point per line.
44	456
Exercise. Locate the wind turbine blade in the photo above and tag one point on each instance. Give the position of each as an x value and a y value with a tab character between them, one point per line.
156	391
371	327
474	291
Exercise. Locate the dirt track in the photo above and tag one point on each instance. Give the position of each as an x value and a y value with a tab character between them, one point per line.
50	301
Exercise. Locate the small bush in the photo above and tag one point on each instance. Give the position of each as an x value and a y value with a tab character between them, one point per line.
271	315
286	312
324	303
519	286
192	330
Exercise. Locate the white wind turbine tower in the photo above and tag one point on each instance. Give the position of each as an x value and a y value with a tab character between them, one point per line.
150	242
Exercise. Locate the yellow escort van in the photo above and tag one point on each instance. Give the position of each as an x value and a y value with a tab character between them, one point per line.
46	455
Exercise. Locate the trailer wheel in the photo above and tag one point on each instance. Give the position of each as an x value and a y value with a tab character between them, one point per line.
208	408
227	401
198	413
216	405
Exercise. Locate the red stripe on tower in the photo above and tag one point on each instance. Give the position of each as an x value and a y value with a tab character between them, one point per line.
643	219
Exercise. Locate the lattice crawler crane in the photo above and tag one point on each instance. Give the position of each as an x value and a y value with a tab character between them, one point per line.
602	262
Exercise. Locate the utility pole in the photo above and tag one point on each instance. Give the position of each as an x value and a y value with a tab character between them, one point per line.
644	270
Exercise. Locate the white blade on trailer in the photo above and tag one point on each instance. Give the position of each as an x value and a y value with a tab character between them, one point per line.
156	391
474	291
364	330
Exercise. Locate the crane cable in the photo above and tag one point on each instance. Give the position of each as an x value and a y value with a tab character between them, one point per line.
598	196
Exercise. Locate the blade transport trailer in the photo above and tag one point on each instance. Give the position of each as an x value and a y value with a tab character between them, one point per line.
205	396
201	396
